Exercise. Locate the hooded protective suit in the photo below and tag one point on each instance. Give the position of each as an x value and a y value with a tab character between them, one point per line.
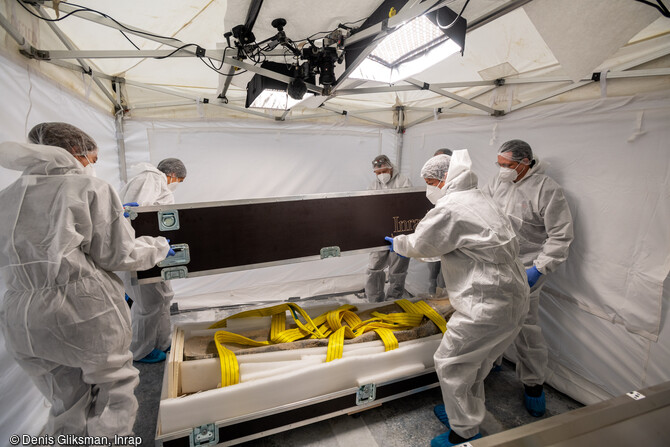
486	284
379	260
64	316
150	313
541	219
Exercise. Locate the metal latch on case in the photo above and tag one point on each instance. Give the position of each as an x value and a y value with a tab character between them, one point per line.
366	393
330	252
204	435
168	220
182	256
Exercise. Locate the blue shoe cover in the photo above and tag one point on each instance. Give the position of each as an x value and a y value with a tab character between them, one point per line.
166	350
443	440
496	368
154	356
536	406
441	414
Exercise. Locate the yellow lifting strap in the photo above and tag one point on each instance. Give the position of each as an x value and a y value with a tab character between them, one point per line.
328	325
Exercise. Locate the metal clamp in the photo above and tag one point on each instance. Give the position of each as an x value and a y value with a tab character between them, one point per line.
330	252
132	214
168	220
204	435
366	393
635	395
181	256
174	273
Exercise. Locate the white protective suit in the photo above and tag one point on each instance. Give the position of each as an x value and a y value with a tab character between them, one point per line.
486	283
379	260
541	218
150	313
64	316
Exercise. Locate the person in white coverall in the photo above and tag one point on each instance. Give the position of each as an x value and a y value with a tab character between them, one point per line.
387	176
150	312
64	316
485	281
536	206
435	279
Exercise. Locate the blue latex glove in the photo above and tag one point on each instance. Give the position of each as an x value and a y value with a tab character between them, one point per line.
533	275
390	239
125	213
171	251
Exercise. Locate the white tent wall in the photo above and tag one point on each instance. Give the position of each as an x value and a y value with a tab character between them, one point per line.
604	311
29	99
233	160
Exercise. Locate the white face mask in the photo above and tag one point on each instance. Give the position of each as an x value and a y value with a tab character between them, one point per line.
173	186
89	169
384	178
507	174
434	193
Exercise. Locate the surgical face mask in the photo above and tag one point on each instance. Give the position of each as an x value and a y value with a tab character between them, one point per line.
433	193
508	174
89	169
384	178
173	186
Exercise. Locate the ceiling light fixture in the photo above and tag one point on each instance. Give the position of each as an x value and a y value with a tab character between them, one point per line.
268	93
413	47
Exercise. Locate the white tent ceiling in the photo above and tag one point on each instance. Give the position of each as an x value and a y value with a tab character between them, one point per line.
538	51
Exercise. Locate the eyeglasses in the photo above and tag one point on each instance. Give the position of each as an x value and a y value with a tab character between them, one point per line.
380	164
511	165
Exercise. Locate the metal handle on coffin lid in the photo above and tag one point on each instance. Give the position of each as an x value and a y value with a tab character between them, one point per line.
168	220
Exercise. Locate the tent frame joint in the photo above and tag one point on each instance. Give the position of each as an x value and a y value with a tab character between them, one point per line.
34	53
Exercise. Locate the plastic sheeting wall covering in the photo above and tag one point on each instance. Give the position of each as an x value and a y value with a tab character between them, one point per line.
30	99
611	158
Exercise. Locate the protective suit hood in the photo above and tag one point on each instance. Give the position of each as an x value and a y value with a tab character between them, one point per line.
147	186
397	180
460	176
140	168
37	159
538	168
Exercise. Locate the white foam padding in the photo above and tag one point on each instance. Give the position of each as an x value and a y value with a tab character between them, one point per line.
385	376
298	384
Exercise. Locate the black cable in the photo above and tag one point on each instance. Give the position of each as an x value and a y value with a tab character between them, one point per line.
437	18
84	8
355	21
320	32
212	67
128	38
176	50
45	19
660	6
328	32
